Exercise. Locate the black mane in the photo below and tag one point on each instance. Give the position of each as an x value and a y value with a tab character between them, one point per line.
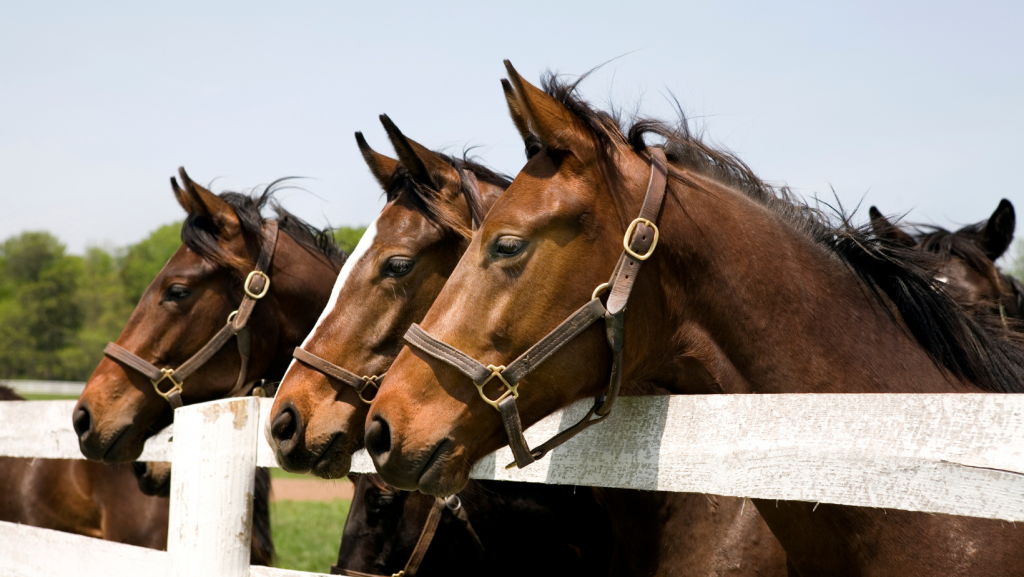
971	345
8	394
199	234
428	200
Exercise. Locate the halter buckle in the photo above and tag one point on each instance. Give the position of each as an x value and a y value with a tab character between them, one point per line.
399	574
629	235
509	389
372	380
248	282
169	375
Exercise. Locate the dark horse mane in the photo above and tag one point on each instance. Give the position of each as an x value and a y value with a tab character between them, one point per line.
960	243
428	200
969	344
199	233
8	394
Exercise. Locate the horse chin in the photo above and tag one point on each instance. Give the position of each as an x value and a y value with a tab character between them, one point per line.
335	463
126	448
443	479
154	478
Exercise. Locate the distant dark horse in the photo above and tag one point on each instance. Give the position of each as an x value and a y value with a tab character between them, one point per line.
745	290
191	302
967	258
493	528
389	283
83	497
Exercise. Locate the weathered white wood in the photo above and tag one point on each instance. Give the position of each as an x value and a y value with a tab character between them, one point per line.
260	571
29	387
957	454
214	454
43	429
33	552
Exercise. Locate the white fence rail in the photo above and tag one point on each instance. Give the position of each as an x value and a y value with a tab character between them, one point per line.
956	454
26	387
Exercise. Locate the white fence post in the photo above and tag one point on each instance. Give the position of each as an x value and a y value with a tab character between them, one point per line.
214	457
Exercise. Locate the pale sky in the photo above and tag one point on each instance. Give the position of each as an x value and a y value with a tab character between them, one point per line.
914	106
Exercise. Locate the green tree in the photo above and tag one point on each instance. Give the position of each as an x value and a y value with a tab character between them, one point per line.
347	237
143	261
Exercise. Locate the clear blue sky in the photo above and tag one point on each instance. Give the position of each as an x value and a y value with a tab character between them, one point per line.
914	106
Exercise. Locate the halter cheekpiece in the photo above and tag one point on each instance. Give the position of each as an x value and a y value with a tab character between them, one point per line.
256	286
638	243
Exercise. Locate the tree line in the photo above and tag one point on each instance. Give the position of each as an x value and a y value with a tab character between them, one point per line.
58	310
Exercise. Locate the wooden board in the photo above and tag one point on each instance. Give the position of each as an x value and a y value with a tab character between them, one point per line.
33	552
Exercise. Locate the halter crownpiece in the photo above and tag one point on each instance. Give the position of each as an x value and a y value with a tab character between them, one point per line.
639	242
256	285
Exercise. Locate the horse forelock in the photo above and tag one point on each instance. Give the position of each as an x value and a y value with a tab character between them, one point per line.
970	344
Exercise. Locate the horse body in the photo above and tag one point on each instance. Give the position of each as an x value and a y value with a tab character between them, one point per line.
81	497
748	292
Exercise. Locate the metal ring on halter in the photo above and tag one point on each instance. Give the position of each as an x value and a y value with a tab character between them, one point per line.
232	316
600	289
629	235
369	381
248	281
509	388
169	375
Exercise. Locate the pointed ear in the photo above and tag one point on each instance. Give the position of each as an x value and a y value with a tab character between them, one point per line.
887	230
515	110
548	119
997	235
382	167
425	166
197	201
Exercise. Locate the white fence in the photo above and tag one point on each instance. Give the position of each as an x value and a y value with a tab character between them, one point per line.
956	454
26	387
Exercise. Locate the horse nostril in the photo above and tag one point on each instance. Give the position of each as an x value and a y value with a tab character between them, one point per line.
286	428
378	437
82	420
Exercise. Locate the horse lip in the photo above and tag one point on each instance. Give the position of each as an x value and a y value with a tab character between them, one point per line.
115	445
433	459
326	454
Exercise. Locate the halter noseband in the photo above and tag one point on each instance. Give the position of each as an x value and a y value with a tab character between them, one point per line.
638	243
471	191
256	286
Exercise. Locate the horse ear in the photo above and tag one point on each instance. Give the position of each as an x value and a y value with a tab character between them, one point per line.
887	230
198	201
997	235
548	119
424	166
515	110
382	167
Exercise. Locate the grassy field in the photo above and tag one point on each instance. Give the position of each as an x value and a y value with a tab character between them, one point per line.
307	533
50	397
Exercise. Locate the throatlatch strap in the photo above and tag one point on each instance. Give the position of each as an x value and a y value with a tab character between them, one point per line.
419	551
254	287
639	242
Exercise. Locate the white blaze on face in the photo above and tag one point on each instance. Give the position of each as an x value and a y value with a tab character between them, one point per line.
362	247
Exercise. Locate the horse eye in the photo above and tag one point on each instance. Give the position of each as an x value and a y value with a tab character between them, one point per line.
397	266
379	502
509	246
177	292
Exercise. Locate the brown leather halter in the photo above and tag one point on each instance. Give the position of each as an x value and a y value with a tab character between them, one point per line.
470	189
454	506
256	286
638	244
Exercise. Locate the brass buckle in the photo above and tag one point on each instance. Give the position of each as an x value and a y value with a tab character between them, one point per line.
509	389
369	381
266	284
629	234
169	375
399	574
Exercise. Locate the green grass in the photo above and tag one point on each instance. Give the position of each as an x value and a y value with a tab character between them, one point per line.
307	533
42	397
276	473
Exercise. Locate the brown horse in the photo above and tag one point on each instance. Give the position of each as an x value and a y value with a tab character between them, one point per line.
389	282
745	291
186	306
968	258
83	497
561	530
318	421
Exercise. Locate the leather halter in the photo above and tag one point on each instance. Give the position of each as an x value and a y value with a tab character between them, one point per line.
256	286
454	505
470	188
639	243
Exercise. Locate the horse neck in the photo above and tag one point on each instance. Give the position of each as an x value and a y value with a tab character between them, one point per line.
302	281
753	305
